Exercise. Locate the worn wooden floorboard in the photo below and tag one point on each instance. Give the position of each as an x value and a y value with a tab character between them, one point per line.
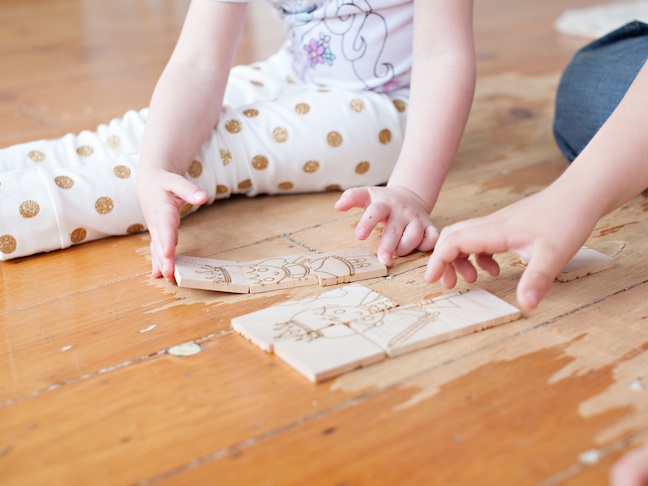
89	392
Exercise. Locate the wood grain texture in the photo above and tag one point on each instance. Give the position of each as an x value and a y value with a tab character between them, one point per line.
89	393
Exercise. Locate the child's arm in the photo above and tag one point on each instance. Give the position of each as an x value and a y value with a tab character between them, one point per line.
184	109
548	228
443	81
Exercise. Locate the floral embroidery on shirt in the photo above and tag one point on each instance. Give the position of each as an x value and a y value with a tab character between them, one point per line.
319	51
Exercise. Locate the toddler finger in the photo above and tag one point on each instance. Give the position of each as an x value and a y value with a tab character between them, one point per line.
430	237
449	277
465	268
374	214
357	197
487	263
410	239
186	190
543	267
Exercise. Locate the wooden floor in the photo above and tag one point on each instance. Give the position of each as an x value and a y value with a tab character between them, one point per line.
90	395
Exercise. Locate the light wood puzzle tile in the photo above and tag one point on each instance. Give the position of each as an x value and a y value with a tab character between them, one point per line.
302	320
329	352
586	262
347	266
275	273
210	274
283	272
446	317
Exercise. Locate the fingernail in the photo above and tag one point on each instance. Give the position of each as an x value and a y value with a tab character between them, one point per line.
361	233
384	258
199	195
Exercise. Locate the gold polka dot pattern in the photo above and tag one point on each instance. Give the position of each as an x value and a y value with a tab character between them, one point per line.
226	156
256	83
113	142
290	80
280	135
36	156
362	167
104	205
259	162
233	126
251	113
221	189
400	105
78	235
122	172
285	186
311	166
186	209
302	108
385	136
333	188
7	244
29	209
195	169
246	184
85	151
334	139
357	105
64	182
135	228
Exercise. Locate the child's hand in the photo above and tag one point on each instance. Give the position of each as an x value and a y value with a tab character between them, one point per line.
546	230
406	220
162	194
631	469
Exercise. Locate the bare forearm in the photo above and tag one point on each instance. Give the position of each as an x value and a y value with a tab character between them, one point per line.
188	97
443	83
613	168
438	112
184	109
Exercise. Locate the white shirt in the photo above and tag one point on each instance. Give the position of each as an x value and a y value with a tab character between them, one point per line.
350	44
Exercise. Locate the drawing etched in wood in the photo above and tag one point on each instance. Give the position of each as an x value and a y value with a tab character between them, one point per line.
303	320
210	274
274	273
432	321
352	326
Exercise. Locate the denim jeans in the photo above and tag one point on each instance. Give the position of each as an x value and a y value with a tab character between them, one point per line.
594	83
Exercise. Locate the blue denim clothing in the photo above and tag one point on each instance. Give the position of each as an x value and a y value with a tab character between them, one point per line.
594	83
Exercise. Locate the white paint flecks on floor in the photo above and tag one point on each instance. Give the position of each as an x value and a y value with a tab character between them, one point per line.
185	349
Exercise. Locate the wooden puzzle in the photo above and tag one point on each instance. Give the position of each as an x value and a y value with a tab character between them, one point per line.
586	262
274	273
353	326
402	330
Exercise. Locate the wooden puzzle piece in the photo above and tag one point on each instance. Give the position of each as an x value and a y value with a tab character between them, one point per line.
275	273
302	320
347	266
210	274
432	321
278	273
332	351
585	262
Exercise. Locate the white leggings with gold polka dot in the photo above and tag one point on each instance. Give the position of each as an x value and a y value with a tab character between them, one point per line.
274	136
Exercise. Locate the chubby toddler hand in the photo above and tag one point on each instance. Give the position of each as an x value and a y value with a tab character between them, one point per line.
162	194
406	220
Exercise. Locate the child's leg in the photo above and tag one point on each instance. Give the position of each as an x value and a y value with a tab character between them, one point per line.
276	136
310	139
55	193
594	83
285	138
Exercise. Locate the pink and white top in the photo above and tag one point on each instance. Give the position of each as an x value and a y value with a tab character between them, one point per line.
349	44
